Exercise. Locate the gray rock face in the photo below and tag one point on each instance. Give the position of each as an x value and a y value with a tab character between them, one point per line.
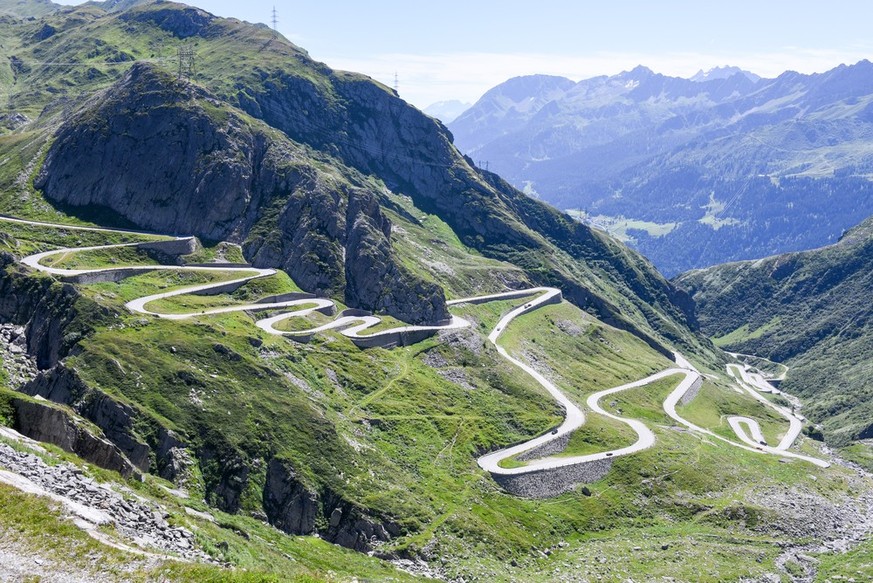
44	422
44	308
369	266
134	153
297	509
289	505
183	23
172	158
20	367
116	420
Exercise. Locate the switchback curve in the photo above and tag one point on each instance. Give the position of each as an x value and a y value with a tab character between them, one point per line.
354	325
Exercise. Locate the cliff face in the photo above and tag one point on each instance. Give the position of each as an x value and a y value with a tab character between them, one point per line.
172	158
373	131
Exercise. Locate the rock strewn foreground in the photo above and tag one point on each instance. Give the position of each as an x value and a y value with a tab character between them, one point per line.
143	523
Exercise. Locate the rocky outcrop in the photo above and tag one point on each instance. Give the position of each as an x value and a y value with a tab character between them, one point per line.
19	366
62	385
289	505
156	157
225	473
51	424
374	281
180	21
172	158
297	509
48	310
161	451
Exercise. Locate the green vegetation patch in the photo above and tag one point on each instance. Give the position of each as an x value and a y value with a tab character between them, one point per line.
598	434
715	403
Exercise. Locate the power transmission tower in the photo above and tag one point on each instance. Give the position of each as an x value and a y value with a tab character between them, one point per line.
275	23
186	61
396	84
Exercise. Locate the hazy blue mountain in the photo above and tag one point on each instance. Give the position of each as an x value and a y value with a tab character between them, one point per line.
692	173
722	73
447	111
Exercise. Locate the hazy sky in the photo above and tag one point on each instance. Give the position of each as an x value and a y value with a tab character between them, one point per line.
459	49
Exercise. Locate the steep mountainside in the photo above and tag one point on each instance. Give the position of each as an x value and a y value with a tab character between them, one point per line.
238	395
810	310
27	8
359	124
232	179
739	167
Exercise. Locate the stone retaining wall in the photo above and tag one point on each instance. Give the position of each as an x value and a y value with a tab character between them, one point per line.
554	481
692	391
287	298
557	445
112	275
184	246
226	288
225	265
392	339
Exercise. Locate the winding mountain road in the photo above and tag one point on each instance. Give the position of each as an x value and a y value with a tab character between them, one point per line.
355	325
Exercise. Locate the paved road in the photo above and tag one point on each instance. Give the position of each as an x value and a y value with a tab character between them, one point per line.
354	327
139	305
749	443
752	383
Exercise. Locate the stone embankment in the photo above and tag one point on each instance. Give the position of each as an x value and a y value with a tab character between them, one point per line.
550	482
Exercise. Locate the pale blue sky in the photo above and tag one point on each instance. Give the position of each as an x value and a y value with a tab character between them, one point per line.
458	49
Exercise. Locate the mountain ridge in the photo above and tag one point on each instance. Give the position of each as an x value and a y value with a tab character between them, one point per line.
670	160
806	309
366	127
282	431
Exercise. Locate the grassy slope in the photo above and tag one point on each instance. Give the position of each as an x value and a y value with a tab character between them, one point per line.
810	310
392	413
36	527
387	430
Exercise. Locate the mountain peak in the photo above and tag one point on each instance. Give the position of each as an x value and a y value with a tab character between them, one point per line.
525	86
638	73
725	72
447	111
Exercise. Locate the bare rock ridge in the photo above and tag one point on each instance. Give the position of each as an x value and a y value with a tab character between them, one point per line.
183	162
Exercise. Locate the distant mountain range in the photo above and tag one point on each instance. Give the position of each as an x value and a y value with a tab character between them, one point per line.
447	111
693	172
722	73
